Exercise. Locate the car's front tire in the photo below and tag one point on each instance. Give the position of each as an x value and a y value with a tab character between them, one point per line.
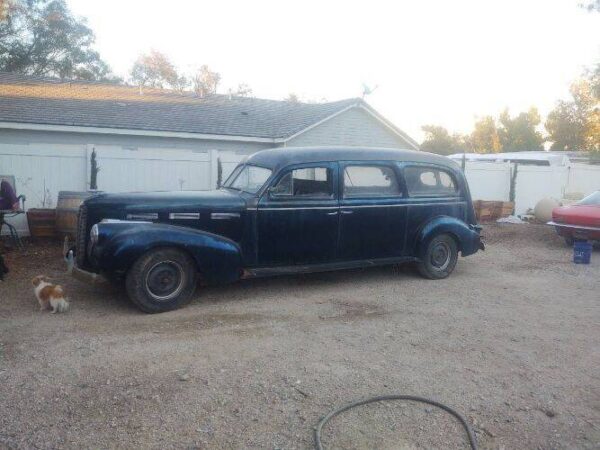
161	280
439	258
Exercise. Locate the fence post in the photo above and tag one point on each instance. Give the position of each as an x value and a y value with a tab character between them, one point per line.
214	168
513	183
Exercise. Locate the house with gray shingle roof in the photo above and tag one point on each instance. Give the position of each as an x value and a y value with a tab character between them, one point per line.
35	104
156	139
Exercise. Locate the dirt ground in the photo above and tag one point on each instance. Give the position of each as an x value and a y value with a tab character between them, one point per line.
511	340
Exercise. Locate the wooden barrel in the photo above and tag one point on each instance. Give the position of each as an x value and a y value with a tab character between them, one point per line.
41	222
67	209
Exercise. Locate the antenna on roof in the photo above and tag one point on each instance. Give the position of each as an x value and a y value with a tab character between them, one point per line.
367	90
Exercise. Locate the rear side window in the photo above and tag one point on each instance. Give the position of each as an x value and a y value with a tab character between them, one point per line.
306	182
370	181
429	181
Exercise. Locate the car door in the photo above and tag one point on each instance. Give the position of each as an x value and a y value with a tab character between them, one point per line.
297	217
432	191
373	211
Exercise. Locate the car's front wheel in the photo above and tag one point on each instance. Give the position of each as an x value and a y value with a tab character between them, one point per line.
439	258
161	280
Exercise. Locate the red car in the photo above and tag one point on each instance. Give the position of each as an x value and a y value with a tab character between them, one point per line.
578	221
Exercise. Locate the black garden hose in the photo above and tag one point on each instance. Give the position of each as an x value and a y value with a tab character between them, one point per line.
414	398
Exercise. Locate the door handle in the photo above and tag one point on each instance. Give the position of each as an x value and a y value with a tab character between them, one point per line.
347	211
334	213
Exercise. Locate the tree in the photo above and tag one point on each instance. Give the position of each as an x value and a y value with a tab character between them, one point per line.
591	6
575	124
292	98
242	90
519	133
485	137
42	37
156	70
206	82
438	140
566	129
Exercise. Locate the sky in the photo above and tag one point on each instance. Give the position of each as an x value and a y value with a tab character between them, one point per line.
433	62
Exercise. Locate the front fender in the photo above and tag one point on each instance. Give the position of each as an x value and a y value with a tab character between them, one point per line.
120	244
467	237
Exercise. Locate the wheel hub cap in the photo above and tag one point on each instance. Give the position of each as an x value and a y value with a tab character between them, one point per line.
440	256
165	280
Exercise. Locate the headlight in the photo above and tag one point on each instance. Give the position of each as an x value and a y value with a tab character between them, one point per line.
94	235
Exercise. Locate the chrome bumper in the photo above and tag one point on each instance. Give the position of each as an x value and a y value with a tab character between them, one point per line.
80	274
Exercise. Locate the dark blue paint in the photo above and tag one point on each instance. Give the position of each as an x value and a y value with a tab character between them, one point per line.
270	235
120	244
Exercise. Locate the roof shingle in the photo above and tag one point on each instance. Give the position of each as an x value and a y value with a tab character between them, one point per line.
49	101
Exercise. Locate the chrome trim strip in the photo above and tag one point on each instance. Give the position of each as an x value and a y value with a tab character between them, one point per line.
107	221
184	216
357	206
142	216
577	227
298	208
224	216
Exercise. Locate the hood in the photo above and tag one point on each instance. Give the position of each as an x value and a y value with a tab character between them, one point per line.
173	201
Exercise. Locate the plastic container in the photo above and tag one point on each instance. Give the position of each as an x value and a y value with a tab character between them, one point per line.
582	252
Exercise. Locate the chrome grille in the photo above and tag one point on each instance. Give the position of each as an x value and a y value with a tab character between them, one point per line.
81	236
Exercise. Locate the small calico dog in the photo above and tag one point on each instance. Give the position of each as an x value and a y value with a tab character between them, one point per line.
3	268
49	295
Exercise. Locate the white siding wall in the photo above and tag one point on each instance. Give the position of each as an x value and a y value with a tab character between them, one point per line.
355	127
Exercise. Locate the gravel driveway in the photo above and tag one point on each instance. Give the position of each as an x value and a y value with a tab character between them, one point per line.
511	339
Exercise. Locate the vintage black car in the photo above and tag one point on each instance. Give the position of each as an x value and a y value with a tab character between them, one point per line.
281	211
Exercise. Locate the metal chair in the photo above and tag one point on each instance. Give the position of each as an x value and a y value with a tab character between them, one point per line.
14	234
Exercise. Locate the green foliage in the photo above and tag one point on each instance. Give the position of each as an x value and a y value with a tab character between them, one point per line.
485	137
156	70
519	133
438	140
575	124
566	127
42	37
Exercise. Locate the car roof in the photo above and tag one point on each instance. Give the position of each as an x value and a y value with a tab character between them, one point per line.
277	158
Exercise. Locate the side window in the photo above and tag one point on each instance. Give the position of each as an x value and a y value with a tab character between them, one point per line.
429	181
306	182
370	181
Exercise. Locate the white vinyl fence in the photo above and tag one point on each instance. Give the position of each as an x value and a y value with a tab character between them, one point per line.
42	171
491	181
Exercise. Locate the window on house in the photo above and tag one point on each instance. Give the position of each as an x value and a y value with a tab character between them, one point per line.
305	182
428	181
370	181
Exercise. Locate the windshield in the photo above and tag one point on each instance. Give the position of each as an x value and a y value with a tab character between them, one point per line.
592	199
248	178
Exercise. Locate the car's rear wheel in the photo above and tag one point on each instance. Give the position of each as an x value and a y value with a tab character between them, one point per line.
161	280
439	258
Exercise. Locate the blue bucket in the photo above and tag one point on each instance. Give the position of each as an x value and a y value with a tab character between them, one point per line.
582	252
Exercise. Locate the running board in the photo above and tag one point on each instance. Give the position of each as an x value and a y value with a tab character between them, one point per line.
326	267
